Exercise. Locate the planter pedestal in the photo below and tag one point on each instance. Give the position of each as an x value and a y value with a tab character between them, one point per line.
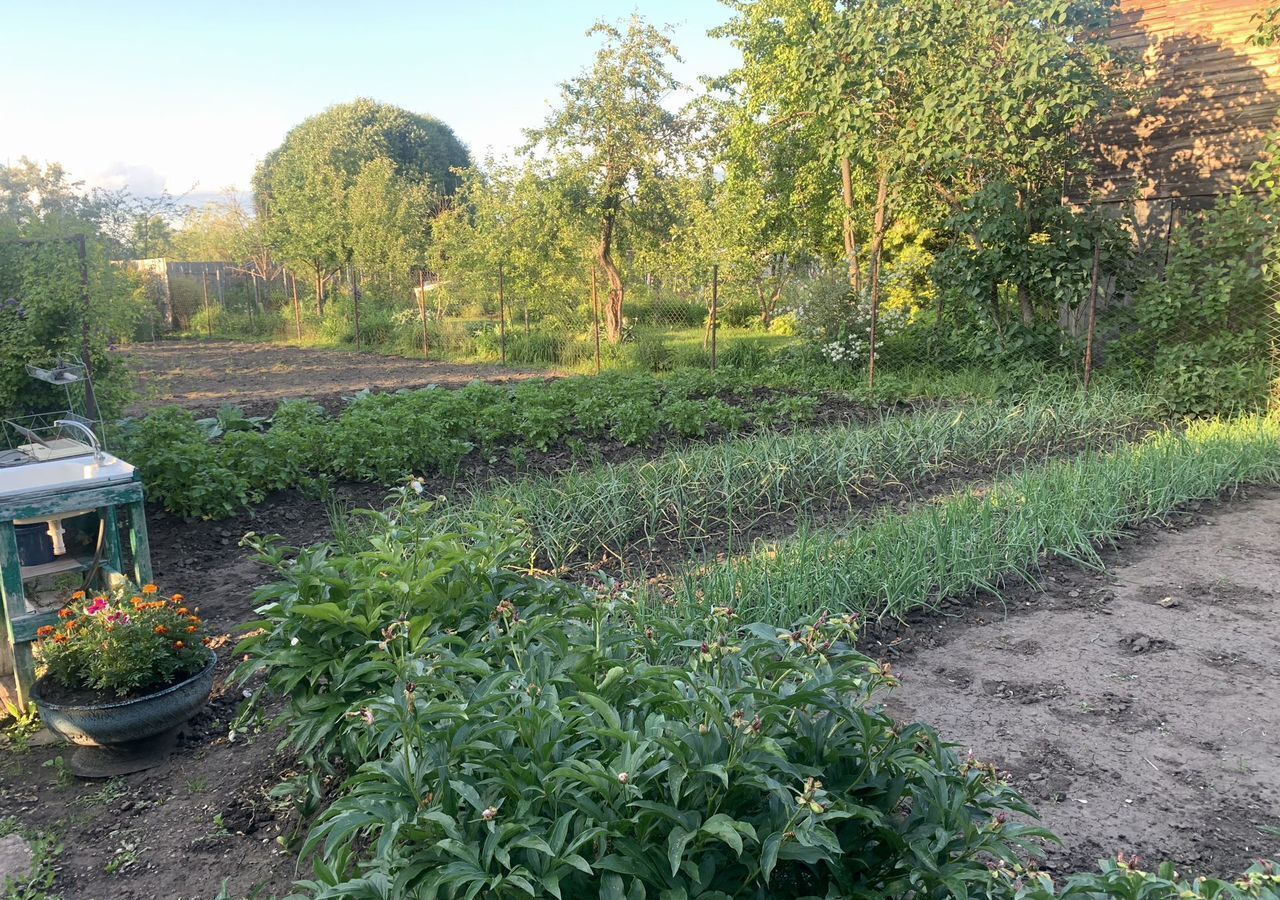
123	759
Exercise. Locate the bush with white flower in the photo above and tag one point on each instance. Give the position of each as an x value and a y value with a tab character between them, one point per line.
828	315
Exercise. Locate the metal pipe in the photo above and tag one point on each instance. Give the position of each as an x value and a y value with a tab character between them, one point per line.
80	426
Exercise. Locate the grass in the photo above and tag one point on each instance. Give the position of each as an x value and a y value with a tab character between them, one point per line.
981	538
712	493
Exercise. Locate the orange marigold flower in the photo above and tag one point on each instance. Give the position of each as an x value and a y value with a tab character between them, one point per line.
45	630
192	629
149	589
178	645
59	638
78	595
194	620
65	613
176	598
74	623
161	629
137	603
184	612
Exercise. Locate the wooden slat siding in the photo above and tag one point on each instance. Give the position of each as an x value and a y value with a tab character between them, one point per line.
1214	98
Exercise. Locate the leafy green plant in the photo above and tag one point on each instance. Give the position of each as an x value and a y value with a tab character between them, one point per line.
706	494
1122	879
123	648
1202	329
37	882
976	539
517	737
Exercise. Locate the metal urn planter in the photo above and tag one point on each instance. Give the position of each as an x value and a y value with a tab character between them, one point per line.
119	737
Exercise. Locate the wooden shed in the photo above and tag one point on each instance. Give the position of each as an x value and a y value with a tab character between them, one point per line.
1211	97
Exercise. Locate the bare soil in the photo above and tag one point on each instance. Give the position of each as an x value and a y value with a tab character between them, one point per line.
203	375
1132	721
1136	709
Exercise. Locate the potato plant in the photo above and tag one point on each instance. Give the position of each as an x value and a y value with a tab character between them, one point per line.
208	470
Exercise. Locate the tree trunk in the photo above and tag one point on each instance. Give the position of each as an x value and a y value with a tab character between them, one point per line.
850	240
1024	304
877	248
613	305
319	288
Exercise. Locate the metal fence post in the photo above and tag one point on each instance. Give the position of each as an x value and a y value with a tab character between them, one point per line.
715	303
1093	314
502	315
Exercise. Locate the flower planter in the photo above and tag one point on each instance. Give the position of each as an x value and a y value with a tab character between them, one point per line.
118	737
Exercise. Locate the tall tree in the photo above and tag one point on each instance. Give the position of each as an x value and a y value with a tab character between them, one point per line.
303	188
614	137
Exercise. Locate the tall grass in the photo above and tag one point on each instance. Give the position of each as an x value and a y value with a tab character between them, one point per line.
980	538
714	492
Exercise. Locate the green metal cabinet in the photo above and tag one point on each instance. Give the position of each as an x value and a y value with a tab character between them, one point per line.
110	501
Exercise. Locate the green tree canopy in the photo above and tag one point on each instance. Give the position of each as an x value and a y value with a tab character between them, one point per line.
327	184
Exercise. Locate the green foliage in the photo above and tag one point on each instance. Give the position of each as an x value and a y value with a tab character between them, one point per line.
519	737
615	143
359	183
1203	329
977	539
125	648
1121	879
651	352
707	494
42	315
180	467
212	470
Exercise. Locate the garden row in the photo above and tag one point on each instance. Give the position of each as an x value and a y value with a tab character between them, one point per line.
212	468
712	495
509	735
979	538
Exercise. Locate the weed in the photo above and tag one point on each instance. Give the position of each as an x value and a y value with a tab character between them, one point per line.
23	725
39	879
61	771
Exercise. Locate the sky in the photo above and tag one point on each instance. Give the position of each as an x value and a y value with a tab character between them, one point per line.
188	96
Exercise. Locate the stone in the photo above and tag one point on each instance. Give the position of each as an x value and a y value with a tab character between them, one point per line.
16	858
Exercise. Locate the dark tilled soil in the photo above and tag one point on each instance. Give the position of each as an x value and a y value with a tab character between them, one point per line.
203	375
1137	709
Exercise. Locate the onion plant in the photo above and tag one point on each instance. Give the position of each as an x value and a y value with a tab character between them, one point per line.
977	539
715	493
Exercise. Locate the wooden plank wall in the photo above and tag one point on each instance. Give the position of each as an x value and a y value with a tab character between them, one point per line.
1211	96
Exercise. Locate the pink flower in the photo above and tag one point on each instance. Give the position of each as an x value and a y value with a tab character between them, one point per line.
97	606
118	618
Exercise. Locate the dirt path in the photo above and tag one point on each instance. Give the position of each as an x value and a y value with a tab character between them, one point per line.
203	375
1137	710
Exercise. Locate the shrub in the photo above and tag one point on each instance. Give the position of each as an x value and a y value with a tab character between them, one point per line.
179	466
651	353
516	737
747	355
1202	329
128	648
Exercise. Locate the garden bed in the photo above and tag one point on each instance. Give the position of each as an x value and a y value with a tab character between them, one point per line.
1044	683
203	375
